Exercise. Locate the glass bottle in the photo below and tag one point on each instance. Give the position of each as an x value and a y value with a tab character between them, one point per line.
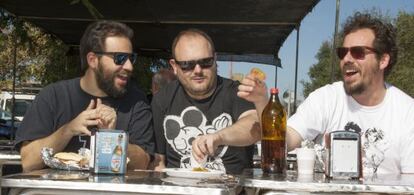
117	155
273	145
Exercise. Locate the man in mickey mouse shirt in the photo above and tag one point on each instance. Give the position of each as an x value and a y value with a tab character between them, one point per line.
201	114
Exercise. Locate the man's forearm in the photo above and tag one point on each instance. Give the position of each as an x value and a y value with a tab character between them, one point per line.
293	138
244	132
30	151
139	159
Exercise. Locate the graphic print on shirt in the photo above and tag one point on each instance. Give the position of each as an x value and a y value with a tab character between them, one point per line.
82	141
181	131
374	145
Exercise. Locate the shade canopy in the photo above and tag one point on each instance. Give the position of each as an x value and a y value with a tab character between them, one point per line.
242	30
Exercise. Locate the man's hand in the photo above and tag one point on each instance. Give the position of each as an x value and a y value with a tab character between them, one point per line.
253	90
206	145
80	124
106	114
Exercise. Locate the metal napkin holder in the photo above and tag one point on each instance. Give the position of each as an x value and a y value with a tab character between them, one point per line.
343	155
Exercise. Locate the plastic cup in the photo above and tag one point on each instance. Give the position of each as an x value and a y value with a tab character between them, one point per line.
306	160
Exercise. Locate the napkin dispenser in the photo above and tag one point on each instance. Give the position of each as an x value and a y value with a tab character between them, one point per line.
343	155
108	151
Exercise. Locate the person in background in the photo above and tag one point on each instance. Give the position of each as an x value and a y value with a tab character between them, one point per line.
161	79
200	115
63	113
362	102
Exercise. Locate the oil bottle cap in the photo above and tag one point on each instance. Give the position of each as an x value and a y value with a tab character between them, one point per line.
274	90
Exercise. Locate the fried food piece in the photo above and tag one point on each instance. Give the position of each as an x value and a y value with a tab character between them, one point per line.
200	169
257	73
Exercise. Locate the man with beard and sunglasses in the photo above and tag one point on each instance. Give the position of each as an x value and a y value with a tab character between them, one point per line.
200	116
363	102
64	113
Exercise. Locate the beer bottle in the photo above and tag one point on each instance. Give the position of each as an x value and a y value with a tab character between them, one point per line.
274	135
116	159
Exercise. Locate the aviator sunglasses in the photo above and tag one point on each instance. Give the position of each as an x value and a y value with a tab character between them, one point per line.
119	57
357	52
190	65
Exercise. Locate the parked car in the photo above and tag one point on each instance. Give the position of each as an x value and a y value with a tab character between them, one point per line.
22	102
6	124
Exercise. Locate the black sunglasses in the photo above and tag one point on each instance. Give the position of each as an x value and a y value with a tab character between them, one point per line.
119	57
190	65
357	52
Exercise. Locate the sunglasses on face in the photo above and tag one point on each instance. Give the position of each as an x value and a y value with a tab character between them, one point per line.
190	65
357	52
120	57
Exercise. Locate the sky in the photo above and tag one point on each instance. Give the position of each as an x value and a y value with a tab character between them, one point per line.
318	26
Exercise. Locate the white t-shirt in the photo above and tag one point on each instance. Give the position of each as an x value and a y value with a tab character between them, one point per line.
387	129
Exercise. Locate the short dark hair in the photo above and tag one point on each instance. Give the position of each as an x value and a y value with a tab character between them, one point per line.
192	32
163	77
94	37
385	35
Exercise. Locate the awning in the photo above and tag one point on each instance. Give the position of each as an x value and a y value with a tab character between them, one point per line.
242	30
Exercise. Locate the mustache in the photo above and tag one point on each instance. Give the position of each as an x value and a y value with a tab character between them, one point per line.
124	72
350	65
198	75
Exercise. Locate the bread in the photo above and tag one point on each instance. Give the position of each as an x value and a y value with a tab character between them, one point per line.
68	156
71	158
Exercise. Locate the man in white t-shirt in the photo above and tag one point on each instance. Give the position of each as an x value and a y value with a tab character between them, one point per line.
363	102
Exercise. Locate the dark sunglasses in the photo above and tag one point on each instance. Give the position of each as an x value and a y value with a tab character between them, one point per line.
357	52
119	57
190	65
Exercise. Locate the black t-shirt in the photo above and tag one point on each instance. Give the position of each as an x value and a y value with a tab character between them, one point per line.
178	119
59	103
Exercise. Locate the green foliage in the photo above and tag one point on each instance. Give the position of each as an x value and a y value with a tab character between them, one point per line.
40	57
320	73
144	69
403	71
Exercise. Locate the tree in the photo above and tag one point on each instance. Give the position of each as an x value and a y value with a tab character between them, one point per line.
40	57
403	71
320	73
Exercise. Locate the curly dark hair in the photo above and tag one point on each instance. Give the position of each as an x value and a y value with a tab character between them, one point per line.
94	37
385	35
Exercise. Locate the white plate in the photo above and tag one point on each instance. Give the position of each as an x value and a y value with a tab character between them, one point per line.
188	173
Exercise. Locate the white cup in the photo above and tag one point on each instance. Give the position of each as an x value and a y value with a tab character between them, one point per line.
306	160
259	148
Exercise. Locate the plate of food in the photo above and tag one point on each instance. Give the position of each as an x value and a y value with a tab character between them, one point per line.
197	173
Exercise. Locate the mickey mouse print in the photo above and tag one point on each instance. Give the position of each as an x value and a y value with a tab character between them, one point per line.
183	129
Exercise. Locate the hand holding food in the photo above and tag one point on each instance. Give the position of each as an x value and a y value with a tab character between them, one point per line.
253	88
257	73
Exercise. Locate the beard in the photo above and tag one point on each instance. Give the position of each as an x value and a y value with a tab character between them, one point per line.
107	83
360	86
355	89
